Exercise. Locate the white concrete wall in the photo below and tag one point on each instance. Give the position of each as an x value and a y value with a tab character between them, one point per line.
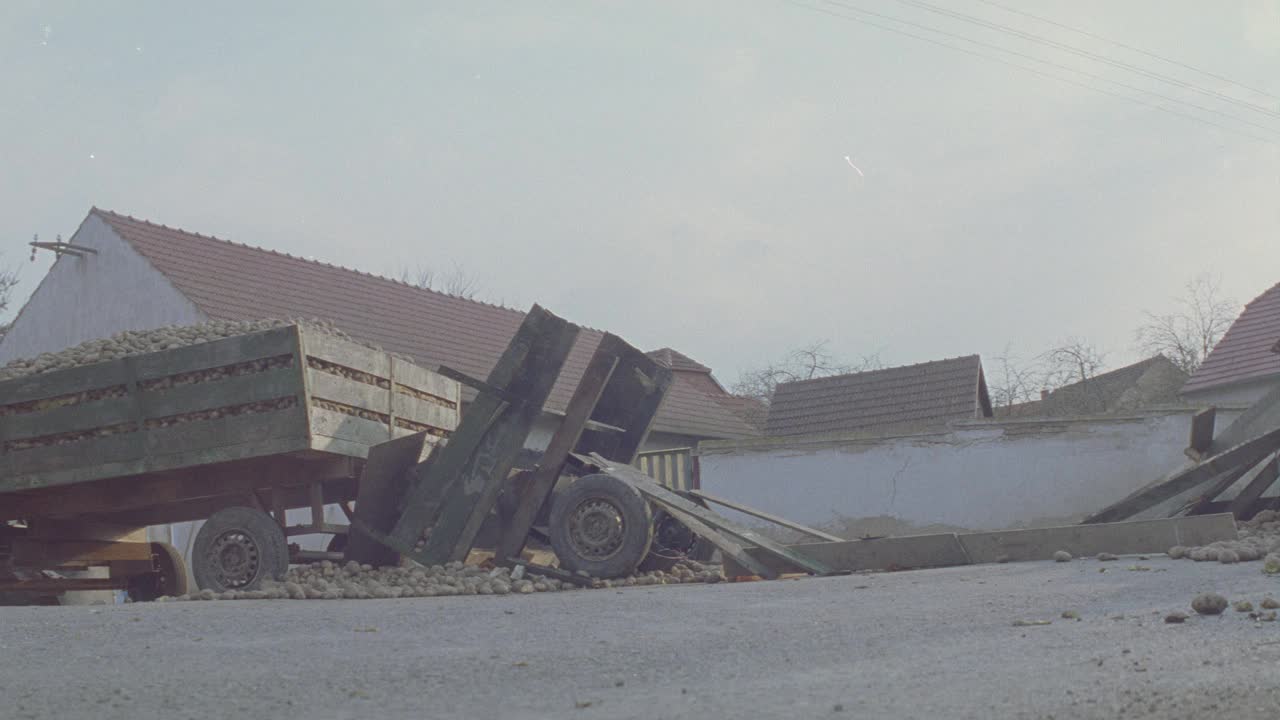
95	296
980	475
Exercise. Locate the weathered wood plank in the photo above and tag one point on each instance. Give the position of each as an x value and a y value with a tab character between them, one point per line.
630	400
1199	505
199	440
1202	428
342	390
728	546
766	516
64	382
69	418
424	411
347	354
218	353
1121	538
1249	452
82	453
238	390
911	552
530	496
460	488
383	482
329	423
424	380
1260	483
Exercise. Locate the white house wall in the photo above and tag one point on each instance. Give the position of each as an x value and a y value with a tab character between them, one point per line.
95	296
978	475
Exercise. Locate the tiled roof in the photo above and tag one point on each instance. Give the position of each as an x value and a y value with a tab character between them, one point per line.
1149	383
914	396
1245	352
228	280
677	360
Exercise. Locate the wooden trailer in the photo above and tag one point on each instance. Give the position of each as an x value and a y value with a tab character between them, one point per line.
234	432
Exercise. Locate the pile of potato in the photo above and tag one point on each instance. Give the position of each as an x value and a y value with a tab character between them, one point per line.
139	342
331	581
1258	539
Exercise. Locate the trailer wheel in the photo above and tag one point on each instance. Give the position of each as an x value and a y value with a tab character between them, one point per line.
169	578
601	525
236	549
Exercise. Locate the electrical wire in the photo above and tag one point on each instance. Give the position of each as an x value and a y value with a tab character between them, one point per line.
1034	71
1128	47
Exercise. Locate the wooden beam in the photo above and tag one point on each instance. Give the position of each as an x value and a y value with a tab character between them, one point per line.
1201	438
64	585
383	483
1249	452
28	552
1198	505
531	495
1252	492
630	401
766	516
731	550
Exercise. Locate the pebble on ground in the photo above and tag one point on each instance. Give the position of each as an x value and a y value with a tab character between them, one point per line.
1062	556
1209	604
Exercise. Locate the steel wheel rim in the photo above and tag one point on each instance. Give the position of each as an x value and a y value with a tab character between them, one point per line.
597	528
237	558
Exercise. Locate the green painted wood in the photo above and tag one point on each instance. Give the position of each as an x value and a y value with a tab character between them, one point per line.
87	452
63	382
766	516
630	401
348	392
71	418
348	354
218	353
469	471
384	480
1260	483
731	550
424	380
424	411
226	392
201	439
328	423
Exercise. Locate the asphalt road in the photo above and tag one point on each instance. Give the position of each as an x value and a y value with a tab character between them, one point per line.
925	644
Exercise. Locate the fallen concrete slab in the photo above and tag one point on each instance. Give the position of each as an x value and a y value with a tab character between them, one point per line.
894	553
949	549
1121	538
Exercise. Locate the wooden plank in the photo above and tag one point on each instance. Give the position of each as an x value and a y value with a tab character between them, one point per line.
630	400
530	496
237	390
424	380
347	354
766	516
911	552
197	440
218	353
330	423
30	552
69	418
290	497
551	572
1198	505
424	412
728	546
64	382
64	585
346	391
1249	452
1252	492
383	482
82	453
670	501
471	468
1201	438
1121	538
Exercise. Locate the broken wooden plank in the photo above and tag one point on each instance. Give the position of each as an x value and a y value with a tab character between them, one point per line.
1252	492
1198	505
629	401
471	469
765	516
383	483
729	548
909	552
551	572
532	494
1131	537
1202	428
1249	452
681	509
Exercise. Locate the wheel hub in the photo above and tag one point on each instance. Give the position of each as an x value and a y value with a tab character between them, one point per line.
596	528
236	558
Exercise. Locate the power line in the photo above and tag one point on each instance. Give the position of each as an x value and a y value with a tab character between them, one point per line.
1089	55
1126	46
1045	74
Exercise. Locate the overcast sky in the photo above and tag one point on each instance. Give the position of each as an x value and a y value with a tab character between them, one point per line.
676	171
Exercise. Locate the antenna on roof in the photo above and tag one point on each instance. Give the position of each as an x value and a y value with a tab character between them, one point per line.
59	248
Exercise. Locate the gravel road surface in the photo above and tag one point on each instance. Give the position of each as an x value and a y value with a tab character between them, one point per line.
925	644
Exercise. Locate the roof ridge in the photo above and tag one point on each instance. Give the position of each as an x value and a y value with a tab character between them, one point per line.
974	356
247	246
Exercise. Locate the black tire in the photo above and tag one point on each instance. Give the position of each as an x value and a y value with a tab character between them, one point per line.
600	524
236	549
170	577
672	543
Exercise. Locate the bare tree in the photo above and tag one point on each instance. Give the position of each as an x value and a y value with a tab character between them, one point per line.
1186	335
1073	361
813	360
457	282
1011	380
8	281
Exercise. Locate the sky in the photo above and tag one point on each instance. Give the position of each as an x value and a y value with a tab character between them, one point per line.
732	179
